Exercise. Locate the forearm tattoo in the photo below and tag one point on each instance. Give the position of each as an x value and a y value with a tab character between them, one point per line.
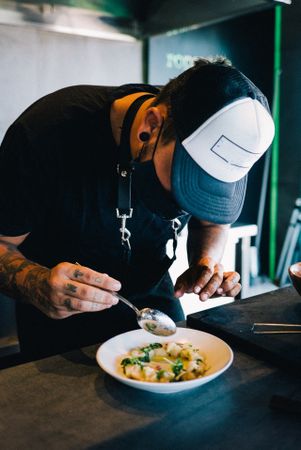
23	279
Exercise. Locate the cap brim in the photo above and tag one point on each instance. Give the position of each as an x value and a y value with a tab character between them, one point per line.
201	195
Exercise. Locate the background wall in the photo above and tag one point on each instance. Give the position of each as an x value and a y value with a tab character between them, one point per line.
34	62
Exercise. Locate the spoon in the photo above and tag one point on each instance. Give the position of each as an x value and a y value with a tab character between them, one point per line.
151	320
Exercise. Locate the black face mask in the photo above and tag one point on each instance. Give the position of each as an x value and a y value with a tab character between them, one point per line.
147	185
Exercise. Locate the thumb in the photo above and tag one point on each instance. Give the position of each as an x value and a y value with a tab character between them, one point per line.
180	287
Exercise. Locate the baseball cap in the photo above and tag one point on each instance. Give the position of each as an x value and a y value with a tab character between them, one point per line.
223	126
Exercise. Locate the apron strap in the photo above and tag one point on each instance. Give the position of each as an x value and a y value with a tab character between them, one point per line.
124	208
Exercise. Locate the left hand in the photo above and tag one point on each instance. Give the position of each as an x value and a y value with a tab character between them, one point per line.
207	279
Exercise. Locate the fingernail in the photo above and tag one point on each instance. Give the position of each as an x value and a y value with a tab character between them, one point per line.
116	286
204	296
220	291
197	289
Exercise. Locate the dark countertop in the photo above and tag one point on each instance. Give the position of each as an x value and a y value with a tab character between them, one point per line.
68	402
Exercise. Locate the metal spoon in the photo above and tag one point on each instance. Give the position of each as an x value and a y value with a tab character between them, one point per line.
151	320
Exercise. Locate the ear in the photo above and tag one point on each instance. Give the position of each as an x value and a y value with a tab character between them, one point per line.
151	120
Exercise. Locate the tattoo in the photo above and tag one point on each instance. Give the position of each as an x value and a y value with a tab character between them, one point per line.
68	305
37	287
70	287
77	273
23	279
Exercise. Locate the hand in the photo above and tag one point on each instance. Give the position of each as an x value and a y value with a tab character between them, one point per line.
70	289
208	279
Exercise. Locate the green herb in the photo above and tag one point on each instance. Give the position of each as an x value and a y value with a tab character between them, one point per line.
126	362
150	347
146	350
132	361
160	374
144	358
150	326
177	367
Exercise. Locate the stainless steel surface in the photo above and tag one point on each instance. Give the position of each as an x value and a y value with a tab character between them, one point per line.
151	320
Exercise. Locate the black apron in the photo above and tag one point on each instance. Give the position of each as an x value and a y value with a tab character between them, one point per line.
145	280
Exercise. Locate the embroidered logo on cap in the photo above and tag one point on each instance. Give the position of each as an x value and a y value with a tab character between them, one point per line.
233	153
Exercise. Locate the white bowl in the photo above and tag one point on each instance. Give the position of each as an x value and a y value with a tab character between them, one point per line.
218	354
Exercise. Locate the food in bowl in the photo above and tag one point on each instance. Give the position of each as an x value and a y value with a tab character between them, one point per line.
164	363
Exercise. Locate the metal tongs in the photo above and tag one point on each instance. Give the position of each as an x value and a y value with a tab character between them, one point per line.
275	328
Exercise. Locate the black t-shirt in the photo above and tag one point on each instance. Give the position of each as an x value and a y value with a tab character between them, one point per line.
58	165
59	183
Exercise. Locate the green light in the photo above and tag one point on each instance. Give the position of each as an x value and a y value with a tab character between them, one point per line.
275	145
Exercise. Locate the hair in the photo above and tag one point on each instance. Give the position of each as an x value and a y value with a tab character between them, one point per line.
175	85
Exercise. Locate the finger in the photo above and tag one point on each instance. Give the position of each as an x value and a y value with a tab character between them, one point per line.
214	281
211	288
235	291
182	286
72	304
86	292
63	314
179	292
179	289
230	281
86	275
206	273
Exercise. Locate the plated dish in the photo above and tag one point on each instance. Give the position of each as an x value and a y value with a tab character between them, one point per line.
216	354
166	362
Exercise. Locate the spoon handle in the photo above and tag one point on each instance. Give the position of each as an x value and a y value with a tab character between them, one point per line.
124	300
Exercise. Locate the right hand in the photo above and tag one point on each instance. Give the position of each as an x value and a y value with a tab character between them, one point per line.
70	289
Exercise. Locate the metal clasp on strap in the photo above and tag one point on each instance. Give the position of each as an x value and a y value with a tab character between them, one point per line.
125	233
176	223
123	172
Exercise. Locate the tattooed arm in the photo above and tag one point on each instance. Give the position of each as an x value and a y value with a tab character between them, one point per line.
60	292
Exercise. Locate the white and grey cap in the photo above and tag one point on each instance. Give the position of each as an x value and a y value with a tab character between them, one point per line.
223	126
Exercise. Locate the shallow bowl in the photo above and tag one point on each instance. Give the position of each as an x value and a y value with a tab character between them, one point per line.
218	354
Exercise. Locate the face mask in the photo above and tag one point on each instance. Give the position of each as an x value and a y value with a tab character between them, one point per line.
149	189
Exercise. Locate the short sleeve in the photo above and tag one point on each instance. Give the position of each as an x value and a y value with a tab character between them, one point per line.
17	183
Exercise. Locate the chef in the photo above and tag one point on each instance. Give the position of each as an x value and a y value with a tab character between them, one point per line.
96	180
